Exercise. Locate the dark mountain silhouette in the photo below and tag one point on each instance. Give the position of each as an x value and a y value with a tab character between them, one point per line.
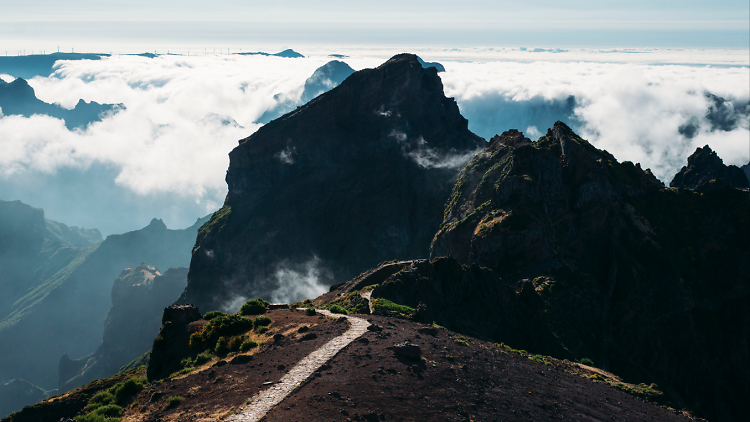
557	248
55	297
18	98
139	296
381	148
288	53
30	66
322	80
706	171
722	115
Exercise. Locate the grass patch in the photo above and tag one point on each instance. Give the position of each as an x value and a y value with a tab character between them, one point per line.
462	341
540	359
381	304
338	309
248	344
510	349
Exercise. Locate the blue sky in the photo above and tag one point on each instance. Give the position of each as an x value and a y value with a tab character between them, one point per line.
584	23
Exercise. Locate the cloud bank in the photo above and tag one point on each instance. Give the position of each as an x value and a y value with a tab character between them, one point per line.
166	154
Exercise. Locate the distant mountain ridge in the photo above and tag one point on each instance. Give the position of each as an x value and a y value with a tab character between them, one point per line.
18	98
33	65
44	280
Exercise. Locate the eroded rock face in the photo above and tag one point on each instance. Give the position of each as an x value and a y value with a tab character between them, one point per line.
356	177
557	248
173	342
706	171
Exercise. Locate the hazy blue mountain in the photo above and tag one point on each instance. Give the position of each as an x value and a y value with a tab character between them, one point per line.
139	296
322	80
18	98
17	393
39	64
289	53
54	297
436	65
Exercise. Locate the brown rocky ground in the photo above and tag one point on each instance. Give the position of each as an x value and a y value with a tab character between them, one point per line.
457	379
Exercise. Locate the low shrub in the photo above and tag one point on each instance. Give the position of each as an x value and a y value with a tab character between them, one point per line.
110	410
174	401
202	358
222	347
262	321
208	316
247	345
310	311
462	341
338	309
235	343
587	362
254	307
219	326
127	388
262	330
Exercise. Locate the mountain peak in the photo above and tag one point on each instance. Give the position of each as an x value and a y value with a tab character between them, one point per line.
706	171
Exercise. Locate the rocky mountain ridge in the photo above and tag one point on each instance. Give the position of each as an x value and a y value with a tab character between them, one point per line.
382	147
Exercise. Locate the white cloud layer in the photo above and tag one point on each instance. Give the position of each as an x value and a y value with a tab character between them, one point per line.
178	127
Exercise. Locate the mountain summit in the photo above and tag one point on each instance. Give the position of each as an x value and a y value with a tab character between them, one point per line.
355	177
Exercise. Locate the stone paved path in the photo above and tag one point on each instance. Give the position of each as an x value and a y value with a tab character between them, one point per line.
265	400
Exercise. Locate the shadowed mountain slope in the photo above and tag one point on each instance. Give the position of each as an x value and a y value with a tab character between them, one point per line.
555	247
353	178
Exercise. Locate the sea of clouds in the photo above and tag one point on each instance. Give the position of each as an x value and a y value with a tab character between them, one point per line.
184	114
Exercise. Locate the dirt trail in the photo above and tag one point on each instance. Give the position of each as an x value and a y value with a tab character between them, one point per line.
264	401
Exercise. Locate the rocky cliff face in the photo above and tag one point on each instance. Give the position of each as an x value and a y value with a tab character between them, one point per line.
706	171
355	177
139	296
555	247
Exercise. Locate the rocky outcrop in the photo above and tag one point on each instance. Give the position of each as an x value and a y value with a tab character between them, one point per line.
555	247
355	177
139	296
173	342
706	171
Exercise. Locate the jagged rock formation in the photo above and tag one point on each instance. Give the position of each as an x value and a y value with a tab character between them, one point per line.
557	248
172	343
439	67
355	177
706	171
18	98
139	296
44	281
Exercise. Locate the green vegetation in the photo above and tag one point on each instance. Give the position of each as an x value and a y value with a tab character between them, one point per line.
254	307
247	345
435	324
202	358
462	341
540	359
262	321
220	326
310	311
216	223
505	347
381	304
587	362
174	401
208	316
106	406
338	309
222	347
